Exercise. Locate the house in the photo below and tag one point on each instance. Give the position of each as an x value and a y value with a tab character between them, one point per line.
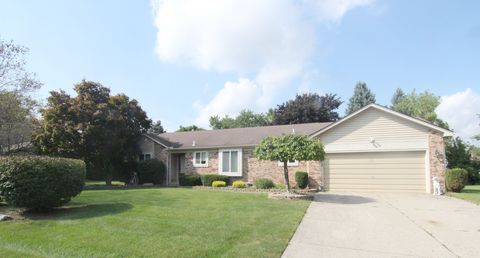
372	149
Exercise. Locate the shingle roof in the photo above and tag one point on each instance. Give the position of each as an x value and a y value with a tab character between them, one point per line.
232	137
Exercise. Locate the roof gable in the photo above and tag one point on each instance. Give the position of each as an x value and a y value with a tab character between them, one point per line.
445	132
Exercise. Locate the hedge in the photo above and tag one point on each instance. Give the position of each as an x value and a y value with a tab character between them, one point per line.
207	179
302	179
239	184
151	171
36	182
190	180
219	184
455	179
264	183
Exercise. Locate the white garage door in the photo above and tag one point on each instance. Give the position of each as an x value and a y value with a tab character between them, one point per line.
376	171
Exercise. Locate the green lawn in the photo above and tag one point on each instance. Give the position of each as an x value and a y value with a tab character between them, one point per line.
101	183
162	222
470	193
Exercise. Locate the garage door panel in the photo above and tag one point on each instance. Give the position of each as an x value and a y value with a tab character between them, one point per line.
376	171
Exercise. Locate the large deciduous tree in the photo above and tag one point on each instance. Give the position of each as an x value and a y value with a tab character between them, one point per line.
289	147
16	107
362	96
308	108
246	118
189	128
420	105
102	130
459	155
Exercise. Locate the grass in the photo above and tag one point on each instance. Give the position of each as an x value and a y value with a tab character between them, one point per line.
162	222
470	193
100	183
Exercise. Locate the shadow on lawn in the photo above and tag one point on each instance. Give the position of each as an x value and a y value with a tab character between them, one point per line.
474	191
78	212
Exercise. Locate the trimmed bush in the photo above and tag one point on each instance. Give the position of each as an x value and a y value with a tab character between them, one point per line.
219	184
239	184
36	182
151	171
302	179
207	179
455	179
264	183
190	180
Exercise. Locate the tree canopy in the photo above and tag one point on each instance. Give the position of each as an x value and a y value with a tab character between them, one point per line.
420	105
362	96
156	128
102	130
459	155
189	128
246	118
308	108
289	147
398	95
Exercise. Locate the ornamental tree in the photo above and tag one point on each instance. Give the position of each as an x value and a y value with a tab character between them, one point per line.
289	147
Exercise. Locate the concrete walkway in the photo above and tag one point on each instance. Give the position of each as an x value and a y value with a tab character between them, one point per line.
387	225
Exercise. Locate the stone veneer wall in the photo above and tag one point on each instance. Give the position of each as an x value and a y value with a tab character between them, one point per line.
437	158
254	168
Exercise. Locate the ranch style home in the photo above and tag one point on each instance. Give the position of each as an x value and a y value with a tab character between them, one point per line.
373	149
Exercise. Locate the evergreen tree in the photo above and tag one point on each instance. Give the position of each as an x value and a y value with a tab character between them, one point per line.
362	96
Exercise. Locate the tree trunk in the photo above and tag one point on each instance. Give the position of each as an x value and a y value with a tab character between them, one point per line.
285	173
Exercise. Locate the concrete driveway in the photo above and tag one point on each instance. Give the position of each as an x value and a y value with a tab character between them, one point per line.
387	225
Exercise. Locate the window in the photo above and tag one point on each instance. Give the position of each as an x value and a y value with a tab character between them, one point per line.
290	163
231	162
144	156
200	159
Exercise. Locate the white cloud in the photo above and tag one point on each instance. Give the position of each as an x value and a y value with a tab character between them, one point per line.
460	110
269	41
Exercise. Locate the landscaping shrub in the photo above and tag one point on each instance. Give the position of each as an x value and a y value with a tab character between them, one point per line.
280	186
151	171
455	179
264	183
207	179
302	179
239	184
190	180
36	182
219	184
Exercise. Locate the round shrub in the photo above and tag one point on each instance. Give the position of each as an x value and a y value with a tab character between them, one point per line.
190	180
239	184
302	179
36	182
455	179
264	183
207	179
219	184
151	171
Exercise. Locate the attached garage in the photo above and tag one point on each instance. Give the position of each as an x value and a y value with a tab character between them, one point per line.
376	171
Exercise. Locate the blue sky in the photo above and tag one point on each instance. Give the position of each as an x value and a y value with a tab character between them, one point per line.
184	60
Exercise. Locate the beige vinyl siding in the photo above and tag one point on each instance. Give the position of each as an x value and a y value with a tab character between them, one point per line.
376	171
390	133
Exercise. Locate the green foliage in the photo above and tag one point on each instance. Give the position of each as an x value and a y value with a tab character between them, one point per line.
302	179
239	184
362	96
207	179
264	183
308	108
102	130
289	147
151	171
36	182
398	95
455	179
245	118
459	155
280	186
156	128
190	180
189	128
219	184
421	105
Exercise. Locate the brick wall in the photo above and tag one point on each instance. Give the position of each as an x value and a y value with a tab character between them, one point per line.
437	158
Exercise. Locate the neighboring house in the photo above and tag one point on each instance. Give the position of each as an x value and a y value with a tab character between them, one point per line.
374	148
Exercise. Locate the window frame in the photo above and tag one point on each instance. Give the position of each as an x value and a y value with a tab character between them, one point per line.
239	162
144	155
289	164
200	165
